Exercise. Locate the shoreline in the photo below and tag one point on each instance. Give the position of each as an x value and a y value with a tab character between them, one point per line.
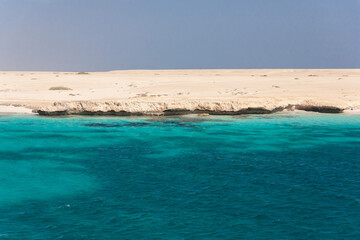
173	108
178	92
17	110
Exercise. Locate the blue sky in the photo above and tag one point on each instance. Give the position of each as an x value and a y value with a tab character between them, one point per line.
101	35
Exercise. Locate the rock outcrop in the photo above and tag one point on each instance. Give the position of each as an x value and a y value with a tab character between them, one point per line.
157	108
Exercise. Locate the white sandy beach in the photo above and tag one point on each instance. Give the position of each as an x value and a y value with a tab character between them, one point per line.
155	91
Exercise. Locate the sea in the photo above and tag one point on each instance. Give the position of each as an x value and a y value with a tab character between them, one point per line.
280	176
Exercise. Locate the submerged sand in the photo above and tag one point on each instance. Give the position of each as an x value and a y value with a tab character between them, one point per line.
158	92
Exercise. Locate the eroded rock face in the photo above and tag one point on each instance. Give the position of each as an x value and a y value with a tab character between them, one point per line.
138	108
320	109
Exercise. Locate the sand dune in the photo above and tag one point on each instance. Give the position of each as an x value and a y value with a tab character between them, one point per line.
156	91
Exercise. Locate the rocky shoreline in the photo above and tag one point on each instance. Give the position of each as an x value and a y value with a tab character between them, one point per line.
114	108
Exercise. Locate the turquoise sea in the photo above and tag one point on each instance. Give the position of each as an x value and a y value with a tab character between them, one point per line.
282	176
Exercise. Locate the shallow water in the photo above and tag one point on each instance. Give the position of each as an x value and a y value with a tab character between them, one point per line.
281	176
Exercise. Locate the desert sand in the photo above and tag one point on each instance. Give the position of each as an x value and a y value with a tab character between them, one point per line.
166	92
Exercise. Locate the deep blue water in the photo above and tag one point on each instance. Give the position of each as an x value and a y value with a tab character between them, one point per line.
281	176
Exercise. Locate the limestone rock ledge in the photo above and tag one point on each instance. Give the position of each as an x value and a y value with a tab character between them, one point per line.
161	108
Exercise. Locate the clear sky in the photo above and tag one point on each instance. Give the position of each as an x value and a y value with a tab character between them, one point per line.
101	35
